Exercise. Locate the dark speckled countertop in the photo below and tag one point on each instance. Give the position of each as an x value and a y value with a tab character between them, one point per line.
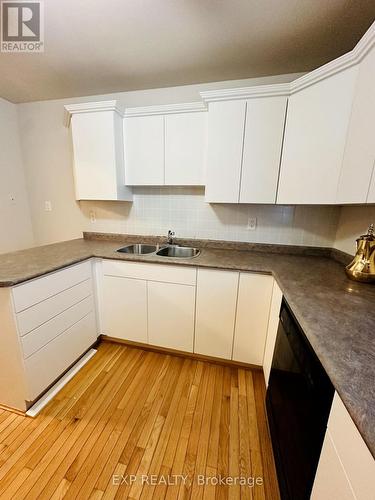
336	314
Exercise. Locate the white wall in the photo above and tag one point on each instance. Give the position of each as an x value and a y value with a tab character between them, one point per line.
48	165
353	222
15	221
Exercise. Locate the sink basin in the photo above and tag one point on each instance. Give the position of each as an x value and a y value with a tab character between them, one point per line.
138	249
179	252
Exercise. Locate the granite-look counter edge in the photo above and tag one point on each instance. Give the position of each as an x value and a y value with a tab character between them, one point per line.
335	313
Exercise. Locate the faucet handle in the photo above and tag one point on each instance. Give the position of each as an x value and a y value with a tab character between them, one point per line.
171	233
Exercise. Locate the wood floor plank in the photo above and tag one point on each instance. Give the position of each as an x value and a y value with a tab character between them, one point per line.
110	394
135	412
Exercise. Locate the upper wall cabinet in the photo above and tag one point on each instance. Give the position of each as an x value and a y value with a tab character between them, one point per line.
244	146
359	157
315	136
185	149
144	150
98	151
165	145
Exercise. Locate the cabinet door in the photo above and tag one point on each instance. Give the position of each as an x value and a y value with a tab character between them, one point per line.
144	150
171	315
273	325
185	148
98	156
331	480
315	135
125	308
253	308
226	122
359	157
355	457
265	118
215	312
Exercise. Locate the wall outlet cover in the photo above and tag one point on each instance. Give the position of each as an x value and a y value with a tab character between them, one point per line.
251	223
48	206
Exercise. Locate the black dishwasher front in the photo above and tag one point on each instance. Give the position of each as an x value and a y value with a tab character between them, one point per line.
299	399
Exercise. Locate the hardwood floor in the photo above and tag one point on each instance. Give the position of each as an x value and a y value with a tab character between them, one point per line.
155	416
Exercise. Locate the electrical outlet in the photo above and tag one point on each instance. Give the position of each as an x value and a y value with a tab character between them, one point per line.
48	206
251	223
92	217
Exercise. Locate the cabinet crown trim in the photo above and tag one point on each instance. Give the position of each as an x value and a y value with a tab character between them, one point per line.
343	62
90	107
246	92
166	109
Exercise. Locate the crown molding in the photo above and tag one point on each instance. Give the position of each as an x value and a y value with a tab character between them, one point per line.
90	107
166	109
277	89
342	63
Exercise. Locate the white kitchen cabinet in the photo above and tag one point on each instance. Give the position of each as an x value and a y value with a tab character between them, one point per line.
331	480
265	118
273	325
48	363
215	312
149	303
359	157
226	122
253	307
346	467
98	151
124	309
144	150
315	136
185	148
244	149
171	315
46	324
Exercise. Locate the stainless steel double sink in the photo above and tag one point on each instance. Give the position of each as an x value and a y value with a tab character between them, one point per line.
175	251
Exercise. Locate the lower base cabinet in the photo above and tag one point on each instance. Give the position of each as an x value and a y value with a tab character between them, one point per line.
149	303
125	308
253	307
346	468
171	315
215	312
273	325
232	314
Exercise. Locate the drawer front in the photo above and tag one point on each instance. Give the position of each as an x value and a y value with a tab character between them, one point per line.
153	272
47	364
355	457
40	337
33	292
34	316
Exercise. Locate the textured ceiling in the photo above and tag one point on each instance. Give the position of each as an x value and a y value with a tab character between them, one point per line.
97	47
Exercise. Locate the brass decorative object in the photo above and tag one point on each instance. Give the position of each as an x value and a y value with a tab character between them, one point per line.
362	267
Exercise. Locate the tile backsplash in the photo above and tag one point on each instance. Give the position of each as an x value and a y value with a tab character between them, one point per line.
184	210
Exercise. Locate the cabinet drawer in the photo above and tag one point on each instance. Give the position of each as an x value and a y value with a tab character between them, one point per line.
153	272
38	338
35	291
38	314
47	364
355	457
